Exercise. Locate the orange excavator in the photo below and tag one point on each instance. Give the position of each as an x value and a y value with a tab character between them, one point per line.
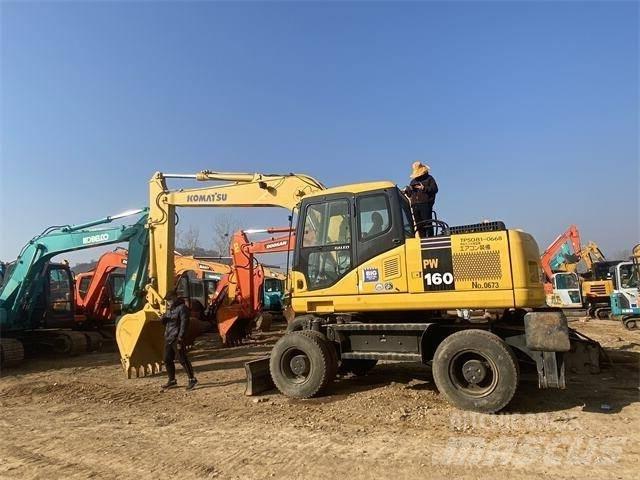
562	284
99	293
251	289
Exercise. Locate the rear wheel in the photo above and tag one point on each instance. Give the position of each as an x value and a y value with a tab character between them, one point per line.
476	370
300	365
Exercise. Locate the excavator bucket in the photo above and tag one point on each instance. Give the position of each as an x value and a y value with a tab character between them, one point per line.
232	327
140	341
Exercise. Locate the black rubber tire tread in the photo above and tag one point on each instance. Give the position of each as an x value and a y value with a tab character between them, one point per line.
630	322
299	323
359	367
490	345
11	352
330	348
320	365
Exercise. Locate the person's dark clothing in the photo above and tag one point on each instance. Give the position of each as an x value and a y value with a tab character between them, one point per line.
171	350
428	193
422	212
176	325
422	200
176	322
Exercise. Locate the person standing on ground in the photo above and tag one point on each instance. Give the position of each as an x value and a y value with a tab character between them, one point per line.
422	192
176	325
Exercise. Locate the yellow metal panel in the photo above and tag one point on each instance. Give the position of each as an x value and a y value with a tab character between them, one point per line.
482	266
354	188
481	261
384	274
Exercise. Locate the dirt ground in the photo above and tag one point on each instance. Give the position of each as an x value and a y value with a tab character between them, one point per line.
80	418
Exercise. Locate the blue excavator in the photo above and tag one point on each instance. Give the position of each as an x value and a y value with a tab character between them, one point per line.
37	305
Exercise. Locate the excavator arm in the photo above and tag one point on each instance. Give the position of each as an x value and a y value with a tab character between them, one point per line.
591	254
564	250
21	283
139	335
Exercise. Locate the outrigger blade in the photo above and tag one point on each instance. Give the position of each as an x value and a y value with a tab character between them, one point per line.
140	338
258	377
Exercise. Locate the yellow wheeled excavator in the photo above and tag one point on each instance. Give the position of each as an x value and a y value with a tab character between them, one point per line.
365	287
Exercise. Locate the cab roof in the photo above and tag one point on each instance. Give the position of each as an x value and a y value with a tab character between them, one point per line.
353	188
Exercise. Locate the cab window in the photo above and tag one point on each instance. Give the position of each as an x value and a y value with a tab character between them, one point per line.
373	216
407	220
60	290
326	243
327	224
83	288
117	287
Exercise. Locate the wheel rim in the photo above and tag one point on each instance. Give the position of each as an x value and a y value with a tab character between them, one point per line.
295	365
473	373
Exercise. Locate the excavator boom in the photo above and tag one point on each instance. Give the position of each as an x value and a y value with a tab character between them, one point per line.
139	335
23	280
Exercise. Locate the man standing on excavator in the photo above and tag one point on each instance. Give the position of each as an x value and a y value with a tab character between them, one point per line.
422	192
176	325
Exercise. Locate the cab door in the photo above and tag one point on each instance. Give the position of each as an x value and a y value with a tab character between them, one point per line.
59	297
380	242
324	255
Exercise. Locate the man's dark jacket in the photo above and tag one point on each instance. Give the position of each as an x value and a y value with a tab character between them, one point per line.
428	194
176	321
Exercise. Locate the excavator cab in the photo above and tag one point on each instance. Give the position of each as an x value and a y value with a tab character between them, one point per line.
56	298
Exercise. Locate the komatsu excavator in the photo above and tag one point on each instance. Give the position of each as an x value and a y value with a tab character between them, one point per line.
37	304
371	290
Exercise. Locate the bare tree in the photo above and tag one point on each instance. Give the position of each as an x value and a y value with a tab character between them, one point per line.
189	240
223	228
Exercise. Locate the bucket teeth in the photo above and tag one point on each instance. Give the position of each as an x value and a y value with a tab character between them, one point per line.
142	370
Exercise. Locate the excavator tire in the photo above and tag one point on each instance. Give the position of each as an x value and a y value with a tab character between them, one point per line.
11	352
330	348
476	370
300	365
299	323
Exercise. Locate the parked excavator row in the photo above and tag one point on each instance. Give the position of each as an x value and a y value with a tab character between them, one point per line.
366	296
37	306
567	288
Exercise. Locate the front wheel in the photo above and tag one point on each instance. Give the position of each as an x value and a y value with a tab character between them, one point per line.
301	365
476	370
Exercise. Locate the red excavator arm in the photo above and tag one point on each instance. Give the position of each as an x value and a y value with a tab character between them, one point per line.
245	282
554	252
